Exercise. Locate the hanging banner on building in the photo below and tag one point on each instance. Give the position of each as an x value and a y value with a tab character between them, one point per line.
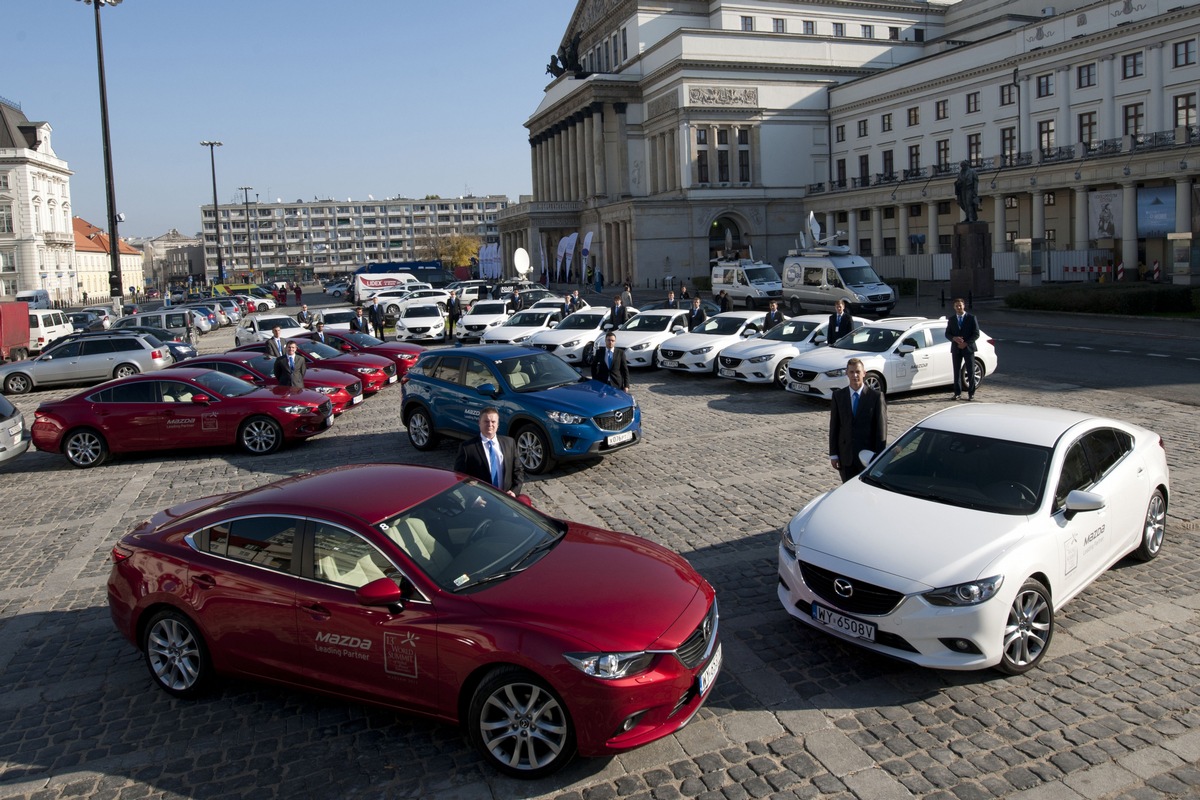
1156	212
1104	213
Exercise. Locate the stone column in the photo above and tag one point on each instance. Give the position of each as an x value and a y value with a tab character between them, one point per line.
581	147
851	227
1079	235
931	227
1129	240
1108	118
599	165
686	164
902	245
622	139
556	164
1038	214
572	160
876	231
999	224
1183	203
830	228
589	154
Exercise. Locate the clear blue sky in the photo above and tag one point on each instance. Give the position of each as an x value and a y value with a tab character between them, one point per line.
336	98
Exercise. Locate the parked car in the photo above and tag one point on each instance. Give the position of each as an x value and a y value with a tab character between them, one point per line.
45	326
375	372
260	327
156	337
169	411
336	289
394	305
440	596
106	314
402	354
258	369
641	335
85	321
711	309
231	307
14	436
899	354
573	339
696	351
86	359
174	320
422	322
765	359
544	404
520	326
337	318
483	315
957	545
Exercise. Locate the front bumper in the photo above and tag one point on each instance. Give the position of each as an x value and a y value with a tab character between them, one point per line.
689	362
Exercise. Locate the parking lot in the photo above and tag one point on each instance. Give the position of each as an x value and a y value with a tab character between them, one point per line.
1112	712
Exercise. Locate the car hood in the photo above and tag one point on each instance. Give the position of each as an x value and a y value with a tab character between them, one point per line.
612	591
903	542
586	398
482	319
690	341
826	358
513	331
557	336
758	347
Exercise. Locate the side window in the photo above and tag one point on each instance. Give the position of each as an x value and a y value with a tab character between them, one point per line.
918	338
1105	448
832	277
68	350
175	321
127	345
97	347
1076	474
345	558
814	276
477	374
447	368
264	541
136	392
176	391
35	321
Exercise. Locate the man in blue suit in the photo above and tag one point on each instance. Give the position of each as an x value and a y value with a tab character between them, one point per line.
962	330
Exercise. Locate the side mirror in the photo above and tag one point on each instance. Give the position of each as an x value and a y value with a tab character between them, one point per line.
905	349
345	348
202	399
248	378
487	389
384	592
866	457
819	338
1078	501
525	499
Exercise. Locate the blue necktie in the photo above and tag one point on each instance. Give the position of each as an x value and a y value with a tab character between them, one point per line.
610	352
291	365
853	403
494	458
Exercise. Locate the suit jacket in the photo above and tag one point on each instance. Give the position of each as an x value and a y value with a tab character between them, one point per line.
361	324
290	377
838	331
694	317
772	319
849	433
322	337
305	318
472	460
274	347
618	376
969	330
619	316
375	314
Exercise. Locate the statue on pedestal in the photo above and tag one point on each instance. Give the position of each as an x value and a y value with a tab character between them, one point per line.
966	189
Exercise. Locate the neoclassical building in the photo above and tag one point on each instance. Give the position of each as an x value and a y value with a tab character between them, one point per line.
669	128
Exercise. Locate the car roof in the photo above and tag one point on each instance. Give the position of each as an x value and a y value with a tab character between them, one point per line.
902	323
1029	424
494	352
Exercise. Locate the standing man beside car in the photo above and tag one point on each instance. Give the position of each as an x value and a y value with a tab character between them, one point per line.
962	330
289	367
360	323
619	313
490	457
305	317
696	315
375	313
609	365
275	343
840	322
773	318
857	421
453	313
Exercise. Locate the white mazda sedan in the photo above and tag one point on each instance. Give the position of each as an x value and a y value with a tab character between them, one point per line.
641	335
696	351
765	360
958	544
520	326
574	339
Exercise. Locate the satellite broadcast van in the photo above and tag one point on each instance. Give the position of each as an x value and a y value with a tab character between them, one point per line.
817	277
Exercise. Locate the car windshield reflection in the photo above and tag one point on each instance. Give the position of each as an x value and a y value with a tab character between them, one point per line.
225	385
868	340
581	322
536	371
790	331
316	349
648	322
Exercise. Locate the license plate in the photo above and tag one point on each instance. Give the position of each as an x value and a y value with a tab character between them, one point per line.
356	399
726	373
617	438
329	421
392	378
670	363
14	430
710	672
799	387
848	625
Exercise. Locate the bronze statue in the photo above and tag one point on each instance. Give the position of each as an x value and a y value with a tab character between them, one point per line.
966	189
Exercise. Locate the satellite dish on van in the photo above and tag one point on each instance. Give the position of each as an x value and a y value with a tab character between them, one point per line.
521	261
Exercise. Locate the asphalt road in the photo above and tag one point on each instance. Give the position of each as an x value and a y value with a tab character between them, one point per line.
1111	713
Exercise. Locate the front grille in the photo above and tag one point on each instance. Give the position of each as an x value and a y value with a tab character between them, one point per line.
389	370
614	420
671	354
695	647
325	409
418	330
730	362
549	348
802	375
877	298
354	388
475	328
867	598
776	293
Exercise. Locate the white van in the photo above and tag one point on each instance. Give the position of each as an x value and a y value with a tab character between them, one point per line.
36	298
818	278
747	282
46	326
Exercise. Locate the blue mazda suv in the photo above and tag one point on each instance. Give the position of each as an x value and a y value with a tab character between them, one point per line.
552	412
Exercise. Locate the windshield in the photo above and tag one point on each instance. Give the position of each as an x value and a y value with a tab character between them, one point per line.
960	469
581	322
471	535
360	339
868	339
421	311
537	371
527	319
283	323
649	322
720	326
335	317
225	385
761	275
489	308
316	349
791	331
857	276
264	364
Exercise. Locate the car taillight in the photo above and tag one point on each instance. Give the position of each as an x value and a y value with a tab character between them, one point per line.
120	553
156	354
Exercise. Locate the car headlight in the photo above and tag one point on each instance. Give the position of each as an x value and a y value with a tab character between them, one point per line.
297	410
565	418
572	343
971	593
641	346
836	373
785	540
520	339
324	389
364	370
699	351
862	298
609	666
760	359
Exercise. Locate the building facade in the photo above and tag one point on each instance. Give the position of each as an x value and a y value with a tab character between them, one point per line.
171	260
296	241
93	261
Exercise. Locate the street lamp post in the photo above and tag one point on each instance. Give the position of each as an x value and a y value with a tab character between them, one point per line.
115	288
249	252
212	145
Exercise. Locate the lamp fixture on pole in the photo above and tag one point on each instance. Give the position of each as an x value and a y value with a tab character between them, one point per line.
212	145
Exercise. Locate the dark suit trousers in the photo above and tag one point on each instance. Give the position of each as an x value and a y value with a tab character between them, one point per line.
960	356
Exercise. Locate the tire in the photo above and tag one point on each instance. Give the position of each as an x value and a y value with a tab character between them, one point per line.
260	436
519	725
337	293
1154	528
85	448
18	383
979	373
589	352
421	432
1029	629
795	306
750	304
533	448
875	381
393	310
781	378
176	655
125	370
18	354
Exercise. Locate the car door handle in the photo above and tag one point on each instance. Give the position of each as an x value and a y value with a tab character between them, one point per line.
317	611
204	581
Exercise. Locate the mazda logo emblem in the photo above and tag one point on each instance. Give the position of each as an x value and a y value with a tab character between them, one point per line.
843	587
620	416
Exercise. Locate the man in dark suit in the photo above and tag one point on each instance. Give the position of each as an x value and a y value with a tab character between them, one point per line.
289	367
453	312
275	343
672	303
609	365
774	316
491	458
376	316
305	317
840	322
857	421
696	315
962	330
359	322
620	312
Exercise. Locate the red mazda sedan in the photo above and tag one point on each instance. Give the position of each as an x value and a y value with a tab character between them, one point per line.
375	372
342	389
403	354
177	409
423	590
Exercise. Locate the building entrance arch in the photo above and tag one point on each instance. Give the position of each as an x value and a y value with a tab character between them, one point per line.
728	237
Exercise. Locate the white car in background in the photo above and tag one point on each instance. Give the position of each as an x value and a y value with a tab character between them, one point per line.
641	335
394	305
483	315
337	318
900	354
260	327
957	545
697	350
422	322
520	326
574	339
765	359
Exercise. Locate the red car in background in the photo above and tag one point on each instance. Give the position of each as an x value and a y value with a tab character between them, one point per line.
427	591
403	354
374	371
171	410
342	389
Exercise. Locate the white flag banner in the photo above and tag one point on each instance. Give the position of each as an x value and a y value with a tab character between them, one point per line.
542	256
558	258
571	240
583	257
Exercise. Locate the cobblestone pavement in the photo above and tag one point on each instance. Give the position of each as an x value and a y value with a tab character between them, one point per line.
1112	713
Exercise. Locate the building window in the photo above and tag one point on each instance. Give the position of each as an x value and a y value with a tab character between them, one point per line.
943	153
722	137
743	136
914	158
941	109
915	210
918	34
624	44
864	168
839	133
810	27
6	218
1045	84
943	207
744	166
974	147
1010	201
702	166
914	116
889	212
1185	53
868	31
1185	110
889	166
839	29
885	122
779	25
7	262
1008	93
616	51
1046	136
3	180
1132	65
1134	119
1049	234
747	23
862	128
1085	76
1087	127
702	136
1008	145
723	166
840	172
894	33
1048	199
972	102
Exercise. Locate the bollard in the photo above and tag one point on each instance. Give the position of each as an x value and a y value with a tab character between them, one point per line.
943	298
